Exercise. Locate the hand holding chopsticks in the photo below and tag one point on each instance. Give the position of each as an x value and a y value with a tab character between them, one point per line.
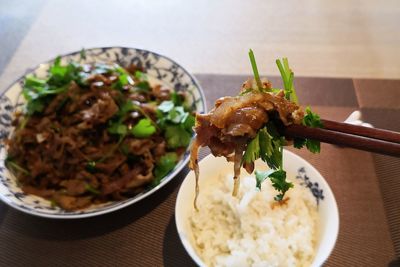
359	137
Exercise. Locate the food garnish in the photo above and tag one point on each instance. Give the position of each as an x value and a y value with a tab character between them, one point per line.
92	133
247	127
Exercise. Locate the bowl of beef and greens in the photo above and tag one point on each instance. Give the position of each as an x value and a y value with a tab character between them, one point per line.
94	131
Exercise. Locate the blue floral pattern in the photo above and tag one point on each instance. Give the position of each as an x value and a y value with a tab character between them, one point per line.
317	192
158	67
6	109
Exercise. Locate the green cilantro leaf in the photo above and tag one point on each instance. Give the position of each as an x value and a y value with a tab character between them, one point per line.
267	146
313	146
143	129
252	152
164	165
117	128
169	113
177	136
176	98
278	179
128	106
140	75
143	86
56	69
299	142
177	115
273	157
36	105
188	124
313	120
32	81
166	106
37	93
62	75
261	176
142	83
125	107
124	78
100	68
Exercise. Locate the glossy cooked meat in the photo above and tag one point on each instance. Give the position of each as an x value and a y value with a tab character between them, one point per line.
234	121
69	154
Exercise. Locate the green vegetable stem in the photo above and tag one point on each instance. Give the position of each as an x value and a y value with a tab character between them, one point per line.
268	143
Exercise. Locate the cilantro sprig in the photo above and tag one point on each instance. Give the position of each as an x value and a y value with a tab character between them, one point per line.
176	122
38	92
287	78
267	146
313	120
255	70
124	79
278	179
268	143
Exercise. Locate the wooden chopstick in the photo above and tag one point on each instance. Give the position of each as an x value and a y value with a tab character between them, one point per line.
381	134
345	137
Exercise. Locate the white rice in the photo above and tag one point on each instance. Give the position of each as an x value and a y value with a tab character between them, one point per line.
252	231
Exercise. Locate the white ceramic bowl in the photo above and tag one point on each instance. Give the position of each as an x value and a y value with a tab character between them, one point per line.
158	67
295	166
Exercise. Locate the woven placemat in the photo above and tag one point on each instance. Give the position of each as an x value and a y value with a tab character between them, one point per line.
144	234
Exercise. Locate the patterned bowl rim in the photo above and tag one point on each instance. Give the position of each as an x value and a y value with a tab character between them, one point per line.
124	203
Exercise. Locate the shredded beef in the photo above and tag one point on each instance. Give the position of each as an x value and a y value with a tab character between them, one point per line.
70	156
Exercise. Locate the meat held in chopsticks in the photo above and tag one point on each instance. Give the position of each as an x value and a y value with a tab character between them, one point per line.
244	128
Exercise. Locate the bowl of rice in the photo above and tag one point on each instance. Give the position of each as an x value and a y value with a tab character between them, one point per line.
253	229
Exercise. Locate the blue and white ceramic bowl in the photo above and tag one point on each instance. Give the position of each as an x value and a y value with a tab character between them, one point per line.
160	68
296	167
